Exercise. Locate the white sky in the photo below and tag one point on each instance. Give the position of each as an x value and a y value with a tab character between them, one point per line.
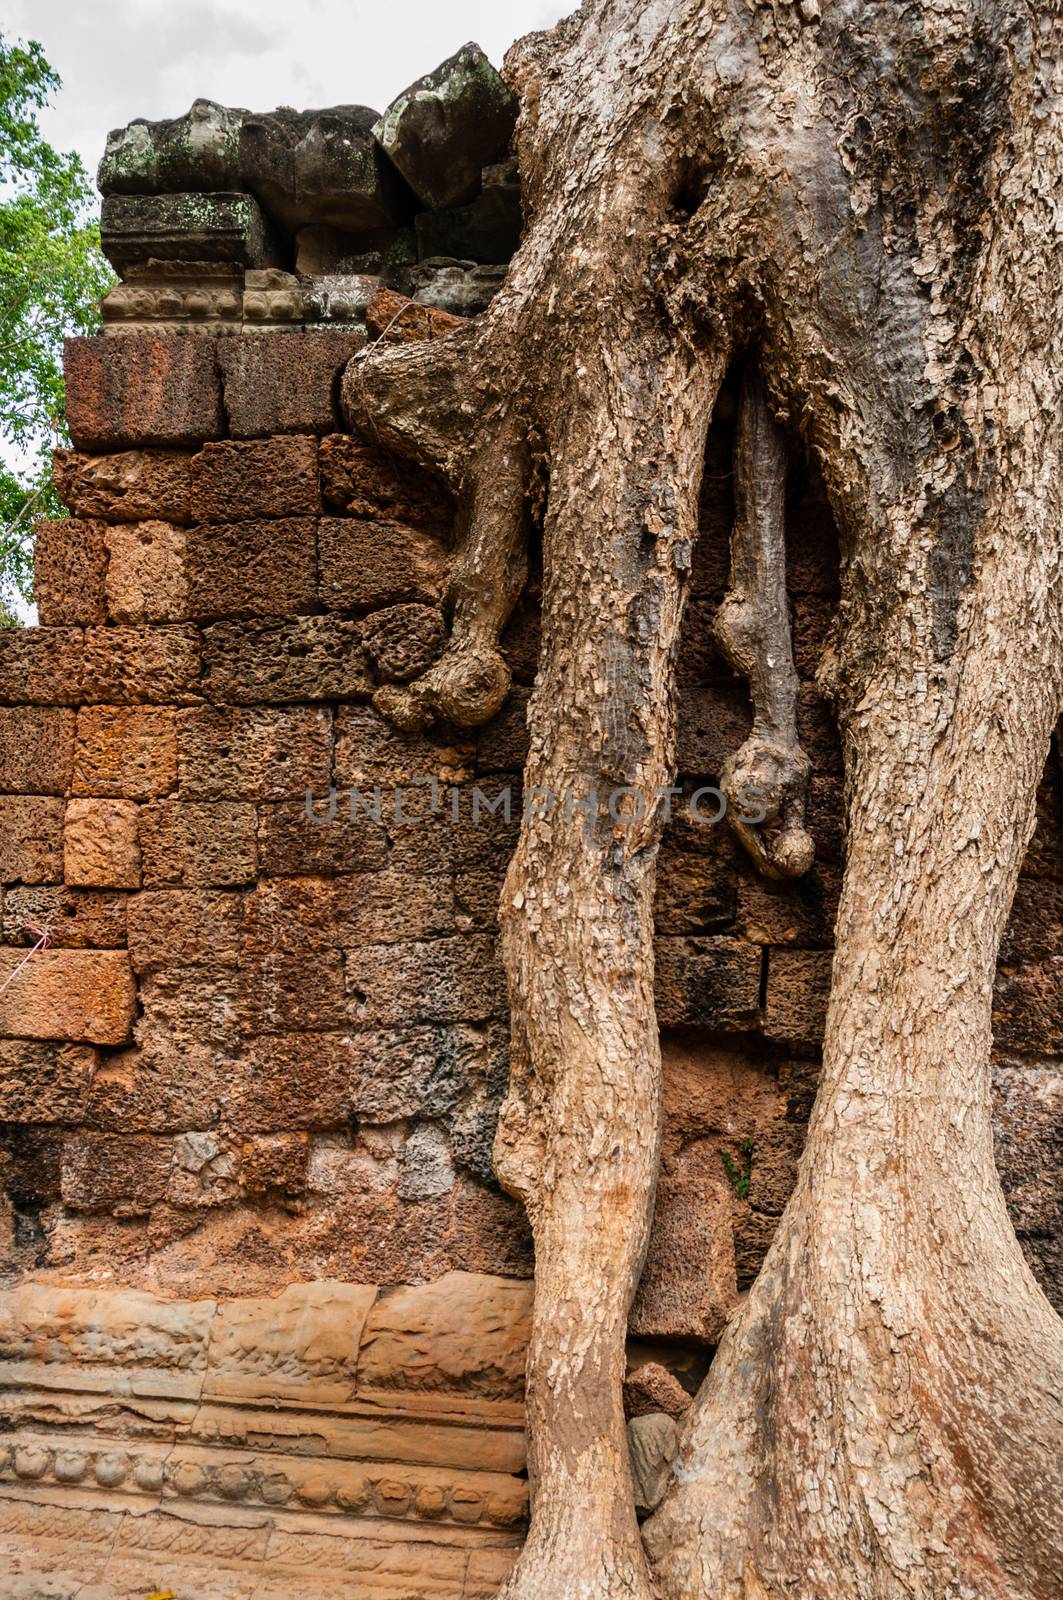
121	59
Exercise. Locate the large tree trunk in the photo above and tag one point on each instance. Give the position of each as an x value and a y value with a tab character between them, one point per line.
868	197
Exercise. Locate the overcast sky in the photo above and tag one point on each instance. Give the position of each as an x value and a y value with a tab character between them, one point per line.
121	59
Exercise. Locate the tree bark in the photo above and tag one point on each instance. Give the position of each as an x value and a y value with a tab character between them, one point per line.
866	200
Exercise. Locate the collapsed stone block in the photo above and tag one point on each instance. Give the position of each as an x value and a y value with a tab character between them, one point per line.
36	749
84	996
70	566
31	839
185	227
101	849
445	128
688	1288
126	752
242	481
320	167
284	383
133	486
651	1387
209	845
147	576
144	389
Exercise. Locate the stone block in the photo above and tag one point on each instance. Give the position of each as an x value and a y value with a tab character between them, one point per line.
653	1444
460	287
502	746
1028	1142
284	662
486	230
370	564
818	732
708	983
688	1288
84	996
257	753
371	751
445	128
144	389
31	839
307	913
139	228
147	577
284	383
275	1162
244	481
801	913
36	750
176	296
41	666
522	638
183	1005
175	156
1035	926
713	724
70	566
651	1387
291	844
101	849
196	927
1028	1008
132	486
403	641
812	618
427	1165
125	1176
130	666
77	919
252	569
127	752
696	879
375	488
467	1333
198	844
797	995
292	1081
437	980
394	318
285	992
320	167
463	834
44	1082
415	1071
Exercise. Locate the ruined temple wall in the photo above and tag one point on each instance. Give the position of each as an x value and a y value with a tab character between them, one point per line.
249	1089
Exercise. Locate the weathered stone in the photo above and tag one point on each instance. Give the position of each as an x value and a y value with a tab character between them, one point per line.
275	1162
403	641
128	666
375	488
183	1004
176	297
41	666
292	1081
252	569
280	383
192	926
197	844
371	751
485	231
274	299
301	1344
414	1071
1028	1008
125	752
134	486
688	1287
652	1388
154	389
178	155
341	297
261	753
798	913
502	746
366	564
797	994
427	1167
126	1176
291	843
393	318
44	1082
70	564
100	844
36	750
304	914
85	996
468	1333
1035	926
459	287
284	662
147	578
708	983
242	481
696	873
31	838
445	128
1028	1139
320	167
287	993
203	1173
713	724
653	1443
185	227
77	919
438	980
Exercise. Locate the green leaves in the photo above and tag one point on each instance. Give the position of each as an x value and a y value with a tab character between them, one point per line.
52	278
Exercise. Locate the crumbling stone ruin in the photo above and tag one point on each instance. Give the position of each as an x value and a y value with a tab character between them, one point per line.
264	1305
